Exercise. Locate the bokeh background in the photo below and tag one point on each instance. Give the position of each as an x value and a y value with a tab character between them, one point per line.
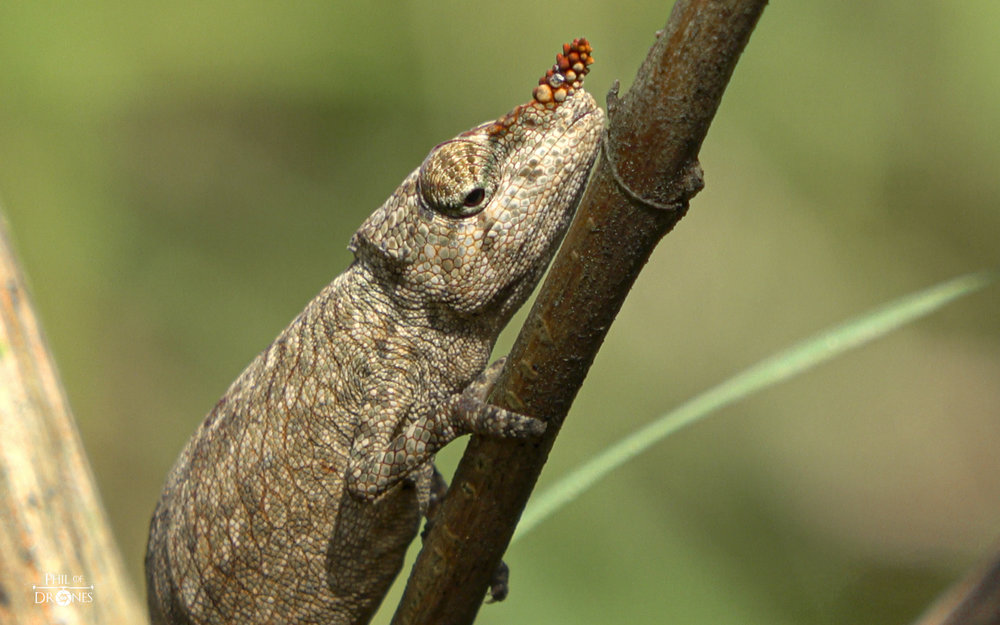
181	178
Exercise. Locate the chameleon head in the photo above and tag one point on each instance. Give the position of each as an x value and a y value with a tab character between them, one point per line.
475	225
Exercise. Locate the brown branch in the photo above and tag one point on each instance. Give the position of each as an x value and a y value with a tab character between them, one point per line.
974	600
53	523
654	135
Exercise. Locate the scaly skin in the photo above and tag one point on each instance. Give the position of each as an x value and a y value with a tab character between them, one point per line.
297	497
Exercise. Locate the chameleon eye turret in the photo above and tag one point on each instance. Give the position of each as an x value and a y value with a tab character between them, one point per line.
455	179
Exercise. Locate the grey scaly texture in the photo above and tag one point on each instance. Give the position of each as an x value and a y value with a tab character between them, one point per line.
296	499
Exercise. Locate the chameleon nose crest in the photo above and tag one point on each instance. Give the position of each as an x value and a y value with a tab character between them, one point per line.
558	83
566	76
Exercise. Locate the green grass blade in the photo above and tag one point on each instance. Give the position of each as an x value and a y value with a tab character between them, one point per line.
785	364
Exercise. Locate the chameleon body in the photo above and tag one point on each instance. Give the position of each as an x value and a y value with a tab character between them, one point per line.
296	498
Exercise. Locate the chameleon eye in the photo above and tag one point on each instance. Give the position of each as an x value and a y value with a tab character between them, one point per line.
475	197
455	179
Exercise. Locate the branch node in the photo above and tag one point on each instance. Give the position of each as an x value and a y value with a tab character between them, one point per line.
612	98
687	186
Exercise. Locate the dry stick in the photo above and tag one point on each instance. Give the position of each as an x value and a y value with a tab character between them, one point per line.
53	524
973	600
640	189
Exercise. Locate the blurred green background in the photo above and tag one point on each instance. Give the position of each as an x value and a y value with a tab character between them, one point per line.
181	178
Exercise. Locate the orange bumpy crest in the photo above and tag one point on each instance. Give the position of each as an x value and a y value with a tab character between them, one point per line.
558	83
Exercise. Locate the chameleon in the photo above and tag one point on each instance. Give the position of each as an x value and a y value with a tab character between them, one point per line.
297	496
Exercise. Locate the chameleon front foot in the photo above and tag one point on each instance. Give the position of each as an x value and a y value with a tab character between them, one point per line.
374	469
473	415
